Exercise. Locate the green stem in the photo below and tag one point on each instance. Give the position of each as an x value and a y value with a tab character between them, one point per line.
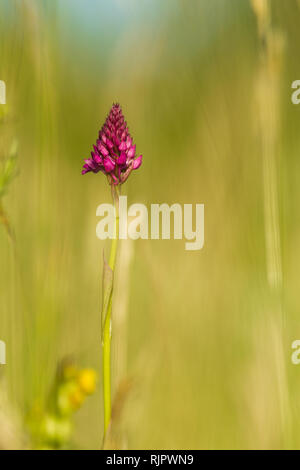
106	343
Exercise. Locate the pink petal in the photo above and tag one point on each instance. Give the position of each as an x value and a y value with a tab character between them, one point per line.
122	159
131	152
109	144
89	162
129	142
109	164
103	150
122	146
97	158
137	162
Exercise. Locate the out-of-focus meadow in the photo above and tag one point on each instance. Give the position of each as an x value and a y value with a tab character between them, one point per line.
204	338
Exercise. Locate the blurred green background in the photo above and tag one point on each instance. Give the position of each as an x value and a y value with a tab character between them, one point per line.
205	337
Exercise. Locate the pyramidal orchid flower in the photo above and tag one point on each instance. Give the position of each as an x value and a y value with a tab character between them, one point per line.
114	153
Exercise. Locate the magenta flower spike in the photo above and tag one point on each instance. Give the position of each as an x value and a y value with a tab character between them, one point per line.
114	153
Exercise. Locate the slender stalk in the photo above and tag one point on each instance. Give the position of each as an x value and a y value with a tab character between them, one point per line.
267	114
106	342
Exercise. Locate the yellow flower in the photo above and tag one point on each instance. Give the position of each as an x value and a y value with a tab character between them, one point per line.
87	379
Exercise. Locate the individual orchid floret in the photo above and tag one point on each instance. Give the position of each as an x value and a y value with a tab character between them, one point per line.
114	153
